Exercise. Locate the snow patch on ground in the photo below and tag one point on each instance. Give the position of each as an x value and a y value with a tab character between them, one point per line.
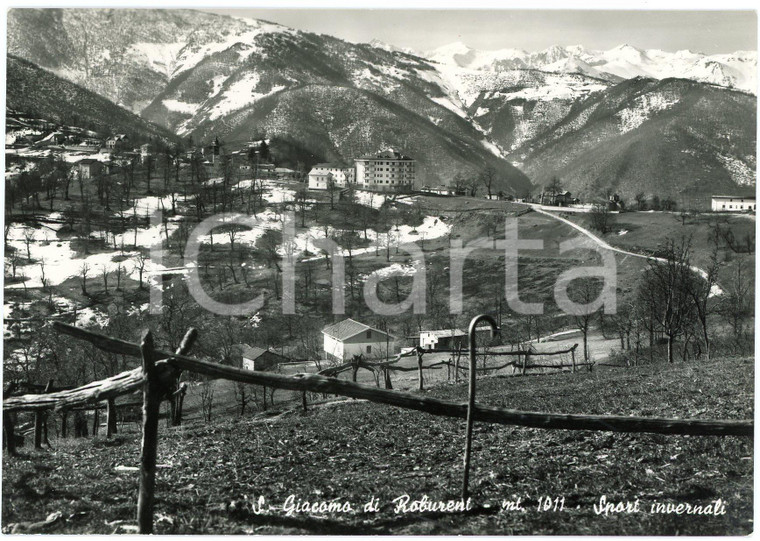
397	269
370	199
161	57
491	147
191	55
87	317
240	94
176	106
448	104
645	106
740	172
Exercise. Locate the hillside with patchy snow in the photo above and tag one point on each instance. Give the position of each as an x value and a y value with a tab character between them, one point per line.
671	138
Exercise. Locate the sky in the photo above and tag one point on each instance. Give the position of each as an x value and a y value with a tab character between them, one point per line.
709	32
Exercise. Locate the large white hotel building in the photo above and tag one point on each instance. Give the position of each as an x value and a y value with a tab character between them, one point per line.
387	171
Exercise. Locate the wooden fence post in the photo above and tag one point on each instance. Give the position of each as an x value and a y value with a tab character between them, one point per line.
64	424
9	437
303	401
95	421
419	367
180	402
39	418
151	403
111	418
525	362
572	351
471	398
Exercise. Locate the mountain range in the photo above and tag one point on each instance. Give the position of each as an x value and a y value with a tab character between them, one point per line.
625	119
736	70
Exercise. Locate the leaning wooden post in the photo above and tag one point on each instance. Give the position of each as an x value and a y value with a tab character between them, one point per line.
388	384
177	396
471	398
39	418
111	418
354	368
182	391
8	434
419	367
151	403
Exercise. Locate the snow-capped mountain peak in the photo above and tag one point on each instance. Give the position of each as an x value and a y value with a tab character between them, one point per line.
734	70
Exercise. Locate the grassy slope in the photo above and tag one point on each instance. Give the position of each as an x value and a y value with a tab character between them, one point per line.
646	231
358	449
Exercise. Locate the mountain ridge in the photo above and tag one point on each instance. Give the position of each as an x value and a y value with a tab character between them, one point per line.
206	75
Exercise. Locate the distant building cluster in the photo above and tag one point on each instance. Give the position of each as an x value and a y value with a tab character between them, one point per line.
388	171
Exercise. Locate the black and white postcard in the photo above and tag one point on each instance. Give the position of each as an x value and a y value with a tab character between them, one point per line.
407	270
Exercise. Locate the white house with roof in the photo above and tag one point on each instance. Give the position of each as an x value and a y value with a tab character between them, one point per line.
450	338
733	203
347	338
322	174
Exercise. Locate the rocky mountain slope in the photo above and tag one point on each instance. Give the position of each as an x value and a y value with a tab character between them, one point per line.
672	138
125	55
42	94
331	99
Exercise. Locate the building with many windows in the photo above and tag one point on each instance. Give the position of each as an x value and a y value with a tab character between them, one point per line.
387	171
733	203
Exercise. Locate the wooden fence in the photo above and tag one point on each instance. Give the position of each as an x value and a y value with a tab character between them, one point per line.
454	367
159	374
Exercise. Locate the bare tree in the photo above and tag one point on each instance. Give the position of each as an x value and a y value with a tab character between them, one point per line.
140	261
701	290
104	272
738	305
584	291
488	177
663	294
601	219
641	200
83	270
207	398
301	202
28	240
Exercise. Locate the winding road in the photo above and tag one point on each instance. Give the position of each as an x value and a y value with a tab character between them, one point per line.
714	291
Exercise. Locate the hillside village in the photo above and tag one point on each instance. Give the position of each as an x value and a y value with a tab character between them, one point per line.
339	213
99	191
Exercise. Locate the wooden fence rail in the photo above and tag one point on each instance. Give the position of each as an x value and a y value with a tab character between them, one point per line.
133	379
158	374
